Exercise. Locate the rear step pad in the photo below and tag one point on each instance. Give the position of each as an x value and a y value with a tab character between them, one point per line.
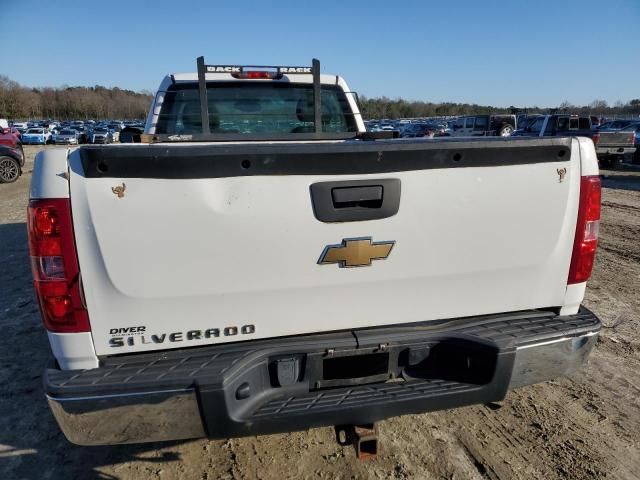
215	365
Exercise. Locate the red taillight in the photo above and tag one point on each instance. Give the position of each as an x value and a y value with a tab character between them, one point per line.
596	138
55	266
633	139
586	239
256	74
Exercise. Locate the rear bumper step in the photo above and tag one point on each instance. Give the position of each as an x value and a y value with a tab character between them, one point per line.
295	383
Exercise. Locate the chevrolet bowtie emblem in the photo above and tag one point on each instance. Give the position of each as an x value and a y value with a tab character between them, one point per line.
355	252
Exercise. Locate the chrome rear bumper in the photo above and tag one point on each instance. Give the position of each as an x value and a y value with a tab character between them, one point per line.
129	418
544	361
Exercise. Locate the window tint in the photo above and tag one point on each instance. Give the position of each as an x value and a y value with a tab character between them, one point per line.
523	120
459	123
584	123
573	123
469	122
617	124
251	107
536	125
549	129
563	124
482	123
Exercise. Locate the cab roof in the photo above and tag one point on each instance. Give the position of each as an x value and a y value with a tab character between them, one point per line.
288	77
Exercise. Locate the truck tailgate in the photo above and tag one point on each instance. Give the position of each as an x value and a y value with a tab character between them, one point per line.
616	139
191	244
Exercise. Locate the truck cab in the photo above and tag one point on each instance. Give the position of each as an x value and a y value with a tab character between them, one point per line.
265	102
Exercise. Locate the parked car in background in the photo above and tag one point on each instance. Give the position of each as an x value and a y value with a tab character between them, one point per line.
635	128
49	125
612	144
616	124
20	126
115	132
484	125
562	125
131	134
9	138
436	129
414	130
525	118
101	135
66	136
16	132
36	136
83	133
11	163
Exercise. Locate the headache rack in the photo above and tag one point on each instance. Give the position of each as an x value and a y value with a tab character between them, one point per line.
260	72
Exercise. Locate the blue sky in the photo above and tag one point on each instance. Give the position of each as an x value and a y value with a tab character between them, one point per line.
502	53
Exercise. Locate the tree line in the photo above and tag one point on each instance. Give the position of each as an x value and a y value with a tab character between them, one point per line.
384	107
18	102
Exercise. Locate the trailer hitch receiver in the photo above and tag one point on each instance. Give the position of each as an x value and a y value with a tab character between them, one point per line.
364	438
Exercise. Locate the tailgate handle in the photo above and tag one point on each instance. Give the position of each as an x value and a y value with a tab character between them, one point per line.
355	200
365	197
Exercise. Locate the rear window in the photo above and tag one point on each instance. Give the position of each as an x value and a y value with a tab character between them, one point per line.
584	123
617	124
563	124
254	108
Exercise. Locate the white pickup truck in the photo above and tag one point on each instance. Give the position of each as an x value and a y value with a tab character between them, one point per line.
260	264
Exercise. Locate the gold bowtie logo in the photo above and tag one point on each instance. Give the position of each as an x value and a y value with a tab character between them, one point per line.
355	252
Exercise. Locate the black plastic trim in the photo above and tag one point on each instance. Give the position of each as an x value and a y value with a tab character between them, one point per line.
328	199
348	157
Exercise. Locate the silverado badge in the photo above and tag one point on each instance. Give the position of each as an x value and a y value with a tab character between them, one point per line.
355	252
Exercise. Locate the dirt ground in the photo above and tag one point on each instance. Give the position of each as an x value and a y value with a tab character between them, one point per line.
585	427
